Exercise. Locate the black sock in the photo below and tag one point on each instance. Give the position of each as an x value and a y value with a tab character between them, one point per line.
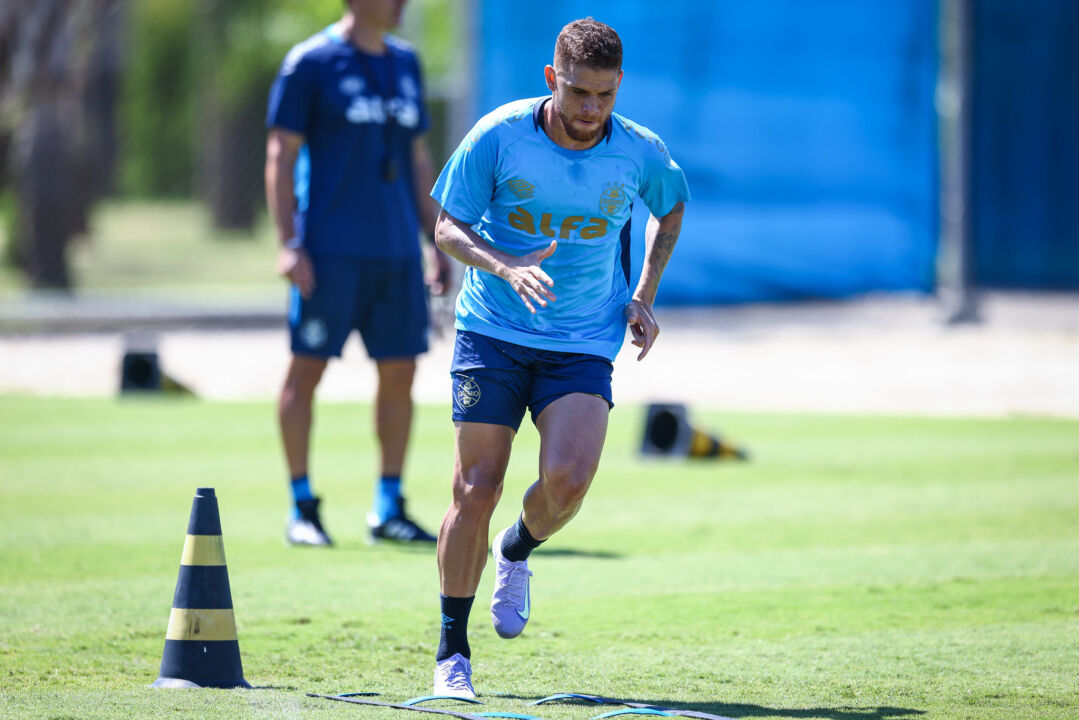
454	627
518	543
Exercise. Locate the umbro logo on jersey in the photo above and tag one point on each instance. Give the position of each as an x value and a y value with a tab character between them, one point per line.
351	85
521	188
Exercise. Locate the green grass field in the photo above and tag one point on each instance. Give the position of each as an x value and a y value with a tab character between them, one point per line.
858	568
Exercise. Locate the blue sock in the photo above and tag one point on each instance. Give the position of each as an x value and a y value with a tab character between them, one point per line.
388	497
301	490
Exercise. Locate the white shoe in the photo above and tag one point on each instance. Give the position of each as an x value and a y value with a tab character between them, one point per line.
453	677
306	527
511	603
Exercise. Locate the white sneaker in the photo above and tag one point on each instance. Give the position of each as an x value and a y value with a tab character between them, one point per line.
453	677
306	527
511	602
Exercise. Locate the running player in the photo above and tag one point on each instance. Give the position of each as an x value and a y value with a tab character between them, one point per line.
537	202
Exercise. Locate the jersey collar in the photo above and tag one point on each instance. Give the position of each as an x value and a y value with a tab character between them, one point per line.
539	124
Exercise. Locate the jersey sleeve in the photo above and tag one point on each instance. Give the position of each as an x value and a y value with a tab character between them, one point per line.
292	95
466	185
664	184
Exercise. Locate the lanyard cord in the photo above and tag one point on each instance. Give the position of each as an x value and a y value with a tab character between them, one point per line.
389	160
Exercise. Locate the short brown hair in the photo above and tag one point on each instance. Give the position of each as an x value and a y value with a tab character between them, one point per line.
589	42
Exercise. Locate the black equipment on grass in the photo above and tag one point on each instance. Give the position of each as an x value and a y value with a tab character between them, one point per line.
667	431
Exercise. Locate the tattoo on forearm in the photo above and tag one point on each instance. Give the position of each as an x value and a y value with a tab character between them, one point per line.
662	247
662	234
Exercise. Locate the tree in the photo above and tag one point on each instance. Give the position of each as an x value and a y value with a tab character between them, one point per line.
58	93
238	64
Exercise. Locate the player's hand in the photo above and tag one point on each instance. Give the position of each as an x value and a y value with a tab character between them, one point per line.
439	276
295	265
643	325
526	278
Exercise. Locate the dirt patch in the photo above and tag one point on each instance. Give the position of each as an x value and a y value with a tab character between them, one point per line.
877	355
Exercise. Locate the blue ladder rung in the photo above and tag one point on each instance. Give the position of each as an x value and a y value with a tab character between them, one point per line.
357	694
633	711
568	696
427	698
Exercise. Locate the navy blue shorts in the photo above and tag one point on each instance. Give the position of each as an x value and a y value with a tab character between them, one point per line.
384	299
495	381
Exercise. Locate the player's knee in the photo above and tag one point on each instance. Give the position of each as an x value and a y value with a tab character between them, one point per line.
567	483
303	377
396	375
476	491
297	393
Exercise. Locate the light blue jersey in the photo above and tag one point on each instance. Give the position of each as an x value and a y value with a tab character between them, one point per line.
521	190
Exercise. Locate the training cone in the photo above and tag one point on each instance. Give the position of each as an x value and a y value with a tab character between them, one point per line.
667	431
140	372
201	647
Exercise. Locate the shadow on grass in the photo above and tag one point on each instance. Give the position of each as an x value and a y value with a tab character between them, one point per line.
723	710
573	552
429	548
387	546
744	710
740	710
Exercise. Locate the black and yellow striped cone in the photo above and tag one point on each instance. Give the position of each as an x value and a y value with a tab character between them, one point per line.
201	647
667	431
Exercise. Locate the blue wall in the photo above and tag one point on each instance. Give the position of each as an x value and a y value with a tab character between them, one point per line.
1025	135
806	129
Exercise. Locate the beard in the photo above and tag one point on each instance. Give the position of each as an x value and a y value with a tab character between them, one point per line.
579	135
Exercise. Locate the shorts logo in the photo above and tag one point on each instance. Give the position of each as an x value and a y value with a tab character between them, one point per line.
468	392
313	332
521	188
612	199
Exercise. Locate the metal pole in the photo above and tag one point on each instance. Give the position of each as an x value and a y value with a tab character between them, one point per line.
464	91
955	268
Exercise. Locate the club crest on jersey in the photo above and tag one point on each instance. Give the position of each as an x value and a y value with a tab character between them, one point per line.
613	198
587	228
521	188
313	332
468	392
408	87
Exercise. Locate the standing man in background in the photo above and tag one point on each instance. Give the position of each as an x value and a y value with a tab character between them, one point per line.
347	175
537	201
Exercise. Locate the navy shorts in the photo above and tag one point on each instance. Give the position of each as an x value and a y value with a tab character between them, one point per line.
384	299
495	381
